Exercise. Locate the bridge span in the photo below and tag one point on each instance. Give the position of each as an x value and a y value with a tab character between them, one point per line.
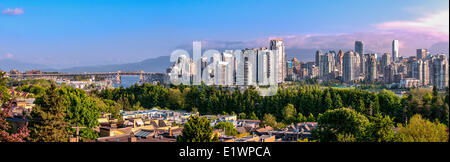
116	76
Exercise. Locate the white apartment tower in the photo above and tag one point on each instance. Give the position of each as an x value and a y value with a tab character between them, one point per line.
278	45
395	50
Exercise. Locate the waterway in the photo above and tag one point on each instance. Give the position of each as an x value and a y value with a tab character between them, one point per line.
127	81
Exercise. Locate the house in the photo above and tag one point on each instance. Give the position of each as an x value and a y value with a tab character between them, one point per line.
248	123
267	138
248	139
264	130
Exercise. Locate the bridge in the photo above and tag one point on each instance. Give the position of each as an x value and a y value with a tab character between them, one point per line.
116	76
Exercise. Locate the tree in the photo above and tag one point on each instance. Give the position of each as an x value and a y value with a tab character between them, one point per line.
422	130
194	110
229	128
6	134
253	116
343	122
197	130
327	102
269	120
4	96
81	110
380	129
242	116
289	112
360	106
48	118
311	118
337	102
437	108
301	118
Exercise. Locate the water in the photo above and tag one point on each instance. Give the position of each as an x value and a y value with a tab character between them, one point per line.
127	81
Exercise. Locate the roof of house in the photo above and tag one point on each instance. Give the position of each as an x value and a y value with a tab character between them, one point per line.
241	130
144	133
264	129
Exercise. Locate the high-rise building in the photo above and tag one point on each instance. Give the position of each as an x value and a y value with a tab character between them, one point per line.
278	45
251	56
421	54
239	67
372	68
326	64
430	61
318	57
395	48
389	73
416	70
221	73
425	73
441	71
409	66
356	66
385	61
348	68
290	70
339	62
248	71
227	57
359	48
265	67
297	65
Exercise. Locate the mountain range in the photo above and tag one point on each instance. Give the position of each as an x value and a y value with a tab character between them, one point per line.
160	64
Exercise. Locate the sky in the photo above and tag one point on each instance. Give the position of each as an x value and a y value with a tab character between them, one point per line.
67	33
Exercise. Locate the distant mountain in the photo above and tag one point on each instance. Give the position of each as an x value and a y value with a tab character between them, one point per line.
308	54
8	64
159	64
441	47
305	55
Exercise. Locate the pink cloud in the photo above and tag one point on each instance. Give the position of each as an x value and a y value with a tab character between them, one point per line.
423	32
379	41
7	56
15	11
375	41
435	24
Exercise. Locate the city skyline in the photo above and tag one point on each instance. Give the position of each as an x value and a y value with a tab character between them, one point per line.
62	34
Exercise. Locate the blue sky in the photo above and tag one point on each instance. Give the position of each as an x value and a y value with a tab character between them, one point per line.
64	33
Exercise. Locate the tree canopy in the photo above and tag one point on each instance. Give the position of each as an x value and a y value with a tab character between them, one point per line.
197	130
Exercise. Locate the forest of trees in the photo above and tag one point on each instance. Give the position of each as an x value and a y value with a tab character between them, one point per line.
304	102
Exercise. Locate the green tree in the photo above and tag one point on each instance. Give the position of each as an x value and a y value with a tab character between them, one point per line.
337	101
343	122
229	128
422	130
289	112
81	110
269	120
4	96
380	129
253	116
197	130
311	118
242	116
301	118
327	102
48	118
